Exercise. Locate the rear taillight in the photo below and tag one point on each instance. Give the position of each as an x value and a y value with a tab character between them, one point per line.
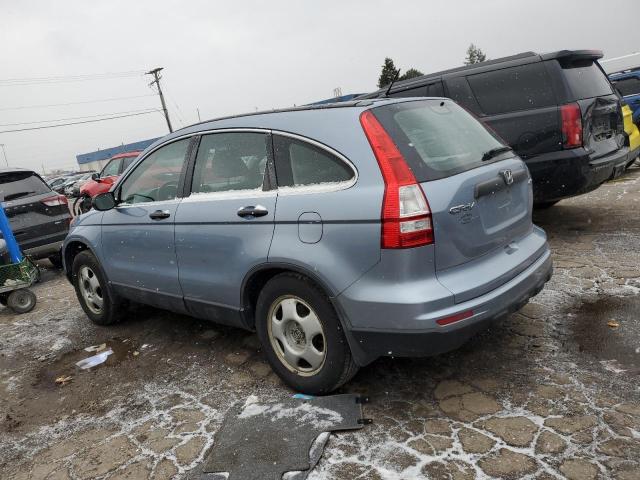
54	201
571	125
406	217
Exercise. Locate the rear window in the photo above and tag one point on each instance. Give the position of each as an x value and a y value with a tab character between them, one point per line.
512	89
438	138
628	86
586	80
16	185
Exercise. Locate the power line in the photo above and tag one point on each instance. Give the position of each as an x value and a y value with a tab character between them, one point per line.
8	82
78	118
76	123
77	103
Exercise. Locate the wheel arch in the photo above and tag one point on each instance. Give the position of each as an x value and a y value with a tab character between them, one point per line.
71	250
258	276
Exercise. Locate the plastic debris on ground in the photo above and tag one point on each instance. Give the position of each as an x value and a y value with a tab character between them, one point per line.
96	348
94	360
63	380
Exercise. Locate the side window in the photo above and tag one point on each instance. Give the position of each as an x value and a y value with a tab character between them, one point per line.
230	161
157	177
460	91
112	168
512	89
628	86
412	92
435	90
299	163
126	162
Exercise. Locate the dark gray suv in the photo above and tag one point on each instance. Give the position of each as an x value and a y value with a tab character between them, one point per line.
340	233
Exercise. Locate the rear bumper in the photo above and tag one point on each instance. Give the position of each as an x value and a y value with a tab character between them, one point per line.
433	339
567	173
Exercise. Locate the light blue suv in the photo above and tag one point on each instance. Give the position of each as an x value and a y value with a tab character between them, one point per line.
340	233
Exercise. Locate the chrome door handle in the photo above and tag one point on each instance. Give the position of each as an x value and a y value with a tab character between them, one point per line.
159	215
252	211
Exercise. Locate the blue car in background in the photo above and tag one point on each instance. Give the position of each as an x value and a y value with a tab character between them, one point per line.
627	83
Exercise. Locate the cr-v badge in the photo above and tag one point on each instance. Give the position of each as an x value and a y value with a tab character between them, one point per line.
461	208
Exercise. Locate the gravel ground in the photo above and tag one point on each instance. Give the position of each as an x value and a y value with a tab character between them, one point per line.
552	392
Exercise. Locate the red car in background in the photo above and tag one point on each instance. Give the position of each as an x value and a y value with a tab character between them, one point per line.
102	182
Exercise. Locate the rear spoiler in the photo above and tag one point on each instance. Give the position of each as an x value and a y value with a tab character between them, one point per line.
570	57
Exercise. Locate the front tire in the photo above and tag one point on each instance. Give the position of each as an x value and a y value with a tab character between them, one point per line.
93	292
302	335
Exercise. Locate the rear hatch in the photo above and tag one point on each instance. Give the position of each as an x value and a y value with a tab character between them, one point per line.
588	86
478	191
38	216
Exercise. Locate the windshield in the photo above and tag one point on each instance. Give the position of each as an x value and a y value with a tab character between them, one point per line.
438	138
15	185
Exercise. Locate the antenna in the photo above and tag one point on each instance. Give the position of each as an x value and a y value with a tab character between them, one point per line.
386	94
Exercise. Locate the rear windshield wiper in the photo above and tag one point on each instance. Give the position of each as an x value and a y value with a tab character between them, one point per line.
494	152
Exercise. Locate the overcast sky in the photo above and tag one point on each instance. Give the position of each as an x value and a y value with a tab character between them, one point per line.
234	56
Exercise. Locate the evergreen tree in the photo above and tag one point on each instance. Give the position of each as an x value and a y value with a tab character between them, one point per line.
411	73
389	72
474	55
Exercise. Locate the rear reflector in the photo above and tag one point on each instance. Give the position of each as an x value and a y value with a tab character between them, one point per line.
55	201
571	125
406	217
455	318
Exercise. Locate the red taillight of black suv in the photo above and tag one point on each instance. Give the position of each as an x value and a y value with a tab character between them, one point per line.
571	125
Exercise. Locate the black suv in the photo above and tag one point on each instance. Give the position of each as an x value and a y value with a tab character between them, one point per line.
39	217
558	111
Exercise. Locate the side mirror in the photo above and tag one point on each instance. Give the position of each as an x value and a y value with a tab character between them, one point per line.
95	177
104	201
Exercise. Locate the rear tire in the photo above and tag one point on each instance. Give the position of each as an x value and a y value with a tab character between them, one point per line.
22	300
295	321
544	205
92	289
56	261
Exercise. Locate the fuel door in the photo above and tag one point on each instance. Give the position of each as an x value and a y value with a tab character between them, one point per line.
309	227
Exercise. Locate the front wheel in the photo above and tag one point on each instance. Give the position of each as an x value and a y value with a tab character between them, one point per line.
95	297
302	335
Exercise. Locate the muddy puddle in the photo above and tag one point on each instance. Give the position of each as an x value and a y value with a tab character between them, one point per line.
65	366
609	331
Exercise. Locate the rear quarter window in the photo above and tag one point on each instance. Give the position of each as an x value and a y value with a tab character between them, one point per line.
586	80
628	86
301	164
14	185
438	138
512	89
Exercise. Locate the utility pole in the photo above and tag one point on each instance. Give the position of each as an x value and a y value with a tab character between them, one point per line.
5	154
156	75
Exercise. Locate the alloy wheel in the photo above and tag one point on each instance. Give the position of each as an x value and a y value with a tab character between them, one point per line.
90	289
296	335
